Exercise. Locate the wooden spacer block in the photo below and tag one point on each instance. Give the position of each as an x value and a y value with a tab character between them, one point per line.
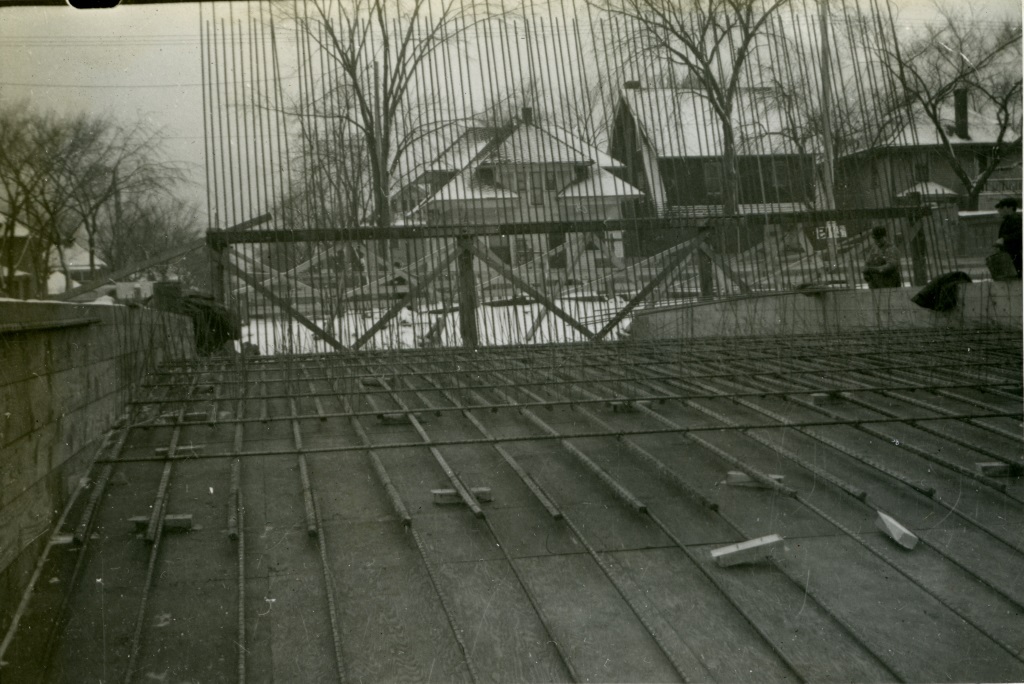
371	382
627	406
194	416
741	479
750	551
826	398
183	450
894	530
178	522
444	497
1000	469
393	418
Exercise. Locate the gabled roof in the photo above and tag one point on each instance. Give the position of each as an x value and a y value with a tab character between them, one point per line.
464	149
528	143
682	123
601	158
76	257
599	183
982	129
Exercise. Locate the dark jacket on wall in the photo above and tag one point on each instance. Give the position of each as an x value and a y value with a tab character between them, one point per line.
941	293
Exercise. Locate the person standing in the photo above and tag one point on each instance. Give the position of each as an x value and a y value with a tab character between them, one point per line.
882	266
1009	239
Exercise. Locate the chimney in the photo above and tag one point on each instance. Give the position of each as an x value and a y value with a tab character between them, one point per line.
527	115
631	85
960	114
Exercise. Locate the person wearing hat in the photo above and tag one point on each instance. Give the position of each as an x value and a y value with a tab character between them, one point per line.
1010	231
882	266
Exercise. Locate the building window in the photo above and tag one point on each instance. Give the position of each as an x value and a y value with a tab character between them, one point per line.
713	179
486	174
550	181
921	174
537	187
521	180
780	179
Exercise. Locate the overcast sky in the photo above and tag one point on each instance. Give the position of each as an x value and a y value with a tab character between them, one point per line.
143	62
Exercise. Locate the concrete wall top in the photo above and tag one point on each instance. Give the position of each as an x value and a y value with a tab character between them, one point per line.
983	304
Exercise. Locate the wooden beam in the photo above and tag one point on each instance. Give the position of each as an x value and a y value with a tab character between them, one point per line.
510	275
720	264
678	255
275	275
296	271
236	236
285	306
571	258
404	301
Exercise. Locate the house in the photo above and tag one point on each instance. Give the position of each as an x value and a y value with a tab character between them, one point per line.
670	141
18	261
522	173
76	264
911	164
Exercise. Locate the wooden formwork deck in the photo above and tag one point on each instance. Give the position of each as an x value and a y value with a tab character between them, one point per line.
317	551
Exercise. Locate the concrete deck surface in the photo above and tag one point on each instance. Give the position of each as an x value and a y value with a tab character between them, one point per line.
607	465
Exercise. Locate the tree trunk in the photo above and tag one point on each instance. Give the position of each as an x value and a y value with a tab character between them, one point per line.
730	172
92	249
973	198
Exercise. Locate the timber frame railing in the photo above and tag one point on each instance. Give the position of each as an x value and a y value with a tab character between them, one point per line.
345	289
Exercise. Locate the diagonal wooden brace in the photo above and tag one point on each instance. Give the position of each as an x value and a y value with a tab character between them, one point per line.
488	258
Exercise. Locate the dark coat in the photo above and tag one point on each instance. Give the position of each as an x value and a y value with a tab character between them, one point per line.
1010	234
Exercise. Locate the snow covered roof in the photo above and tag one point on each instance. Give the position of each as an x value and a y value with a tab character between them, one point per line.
682	123
929	189
464	149
599	183
528	143
76	257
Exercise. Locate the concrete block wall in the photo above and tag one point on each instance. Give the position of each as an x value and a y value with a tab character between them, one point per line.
984	304
67	372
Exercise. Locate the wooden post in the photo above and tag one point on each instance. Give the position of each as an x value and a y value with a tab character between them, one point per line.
467	293
919	254
218	274
705	269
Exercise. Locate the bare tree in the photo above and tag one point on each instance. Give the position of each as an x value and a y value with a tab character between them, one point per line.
58	173
116	161
30	145
958	51
142	225
377	50
863	112
713	40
